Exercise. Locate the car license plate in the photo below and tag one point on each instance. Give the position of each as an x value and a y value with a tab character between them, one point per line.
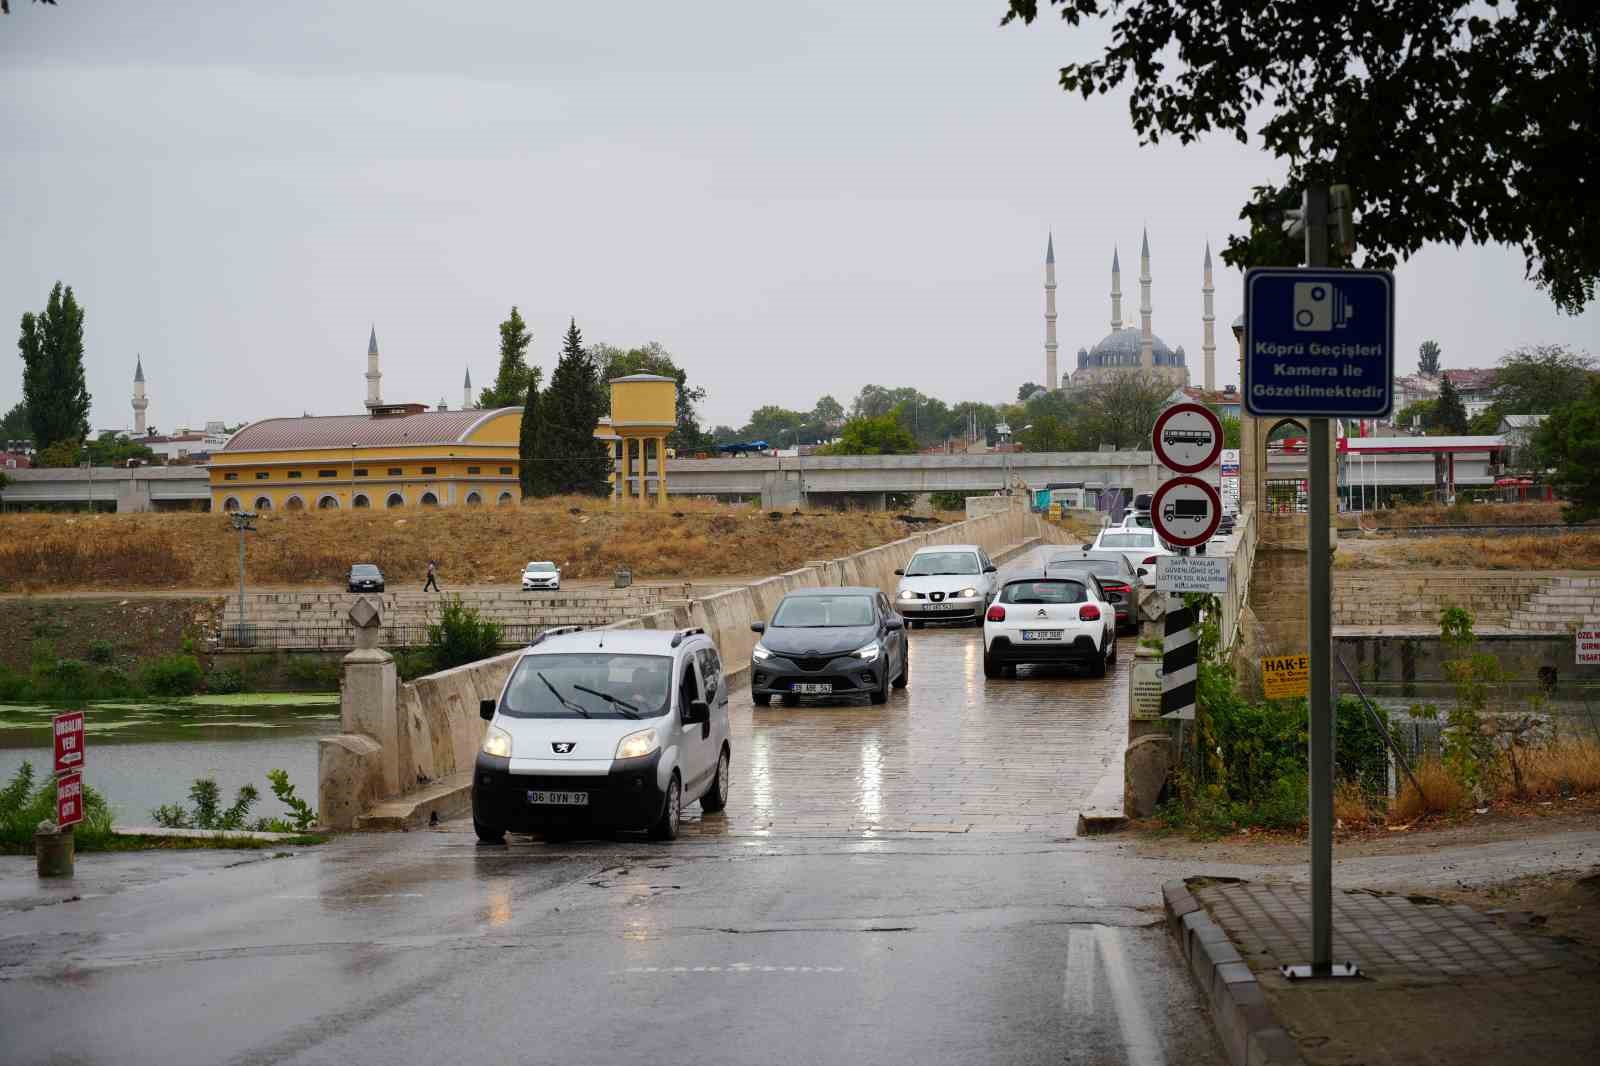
559	799
805	688
1041	634
946	607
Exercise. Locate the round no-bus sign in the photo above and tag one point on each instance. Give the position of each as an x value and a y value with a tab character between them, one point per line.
1186	511
1187	437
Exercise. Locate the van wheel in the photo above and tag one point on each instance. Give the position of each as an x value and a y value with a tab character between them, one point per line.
488	834
666	827
761	699
716	796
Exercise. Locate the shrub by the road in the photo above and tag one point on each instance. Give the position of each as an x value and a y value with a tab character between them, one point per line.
172	675
25	803
205	809
461	636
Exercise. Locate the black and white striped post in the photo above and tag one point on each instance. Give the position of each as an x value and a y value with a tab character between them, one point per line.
1180	656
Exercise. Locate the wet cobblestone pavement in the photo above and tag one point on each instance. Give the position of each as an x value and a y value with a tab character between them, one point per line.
950	753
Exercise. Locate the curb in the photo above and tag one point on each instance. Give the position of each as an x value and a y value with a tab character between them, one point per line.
1249	1031
447	798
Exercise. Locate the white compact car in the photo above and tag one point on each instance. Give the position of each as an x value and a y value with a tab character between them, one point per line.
946	583
1141	547
1044	617
607	729
541	575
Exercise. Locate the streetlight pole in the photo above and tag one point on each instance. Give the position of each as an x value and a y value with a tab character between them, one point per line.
241	525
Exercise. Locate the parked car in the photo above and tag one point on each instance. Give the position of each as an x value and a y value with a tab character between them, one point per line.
829	642
1118	579
946	583
610	729
541	575
1042	617
1141	547
365	577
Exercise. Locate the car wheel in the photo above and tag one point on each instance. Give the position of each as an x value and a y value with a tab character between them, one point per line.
1111	656
666	826
716	796
1098	667
488	834
881	693
991	666
905	669
761	699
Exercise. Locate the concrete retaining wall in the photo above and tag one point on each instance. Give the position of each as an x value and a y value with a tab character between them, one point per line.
587	606
1399	598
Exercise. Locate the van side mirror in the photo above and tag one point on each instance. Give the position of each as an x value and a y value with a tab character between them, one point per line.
699	713
758	627
1089	547
486	709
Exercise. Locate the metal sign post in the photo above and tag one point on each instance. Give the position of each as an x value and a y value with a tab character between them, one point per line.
241	525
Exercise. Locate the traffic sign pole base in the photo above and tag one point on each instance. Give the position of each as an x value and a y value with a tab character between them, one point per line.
53	850
1308	971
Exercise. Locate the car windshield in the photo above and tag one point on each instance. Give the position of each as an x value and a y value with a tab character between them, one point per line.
543	568
363	570
823	612
552	686
924	564
1044	592
1108	567
1127	540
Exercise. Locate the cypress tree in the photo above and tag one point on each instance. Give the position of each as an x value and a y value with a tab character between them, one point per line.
571	460
528	444
1449	413
53	384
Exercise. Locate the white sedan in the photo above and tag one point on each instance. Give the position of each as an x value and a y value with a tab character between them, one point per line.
1141	547
541	575
1045	618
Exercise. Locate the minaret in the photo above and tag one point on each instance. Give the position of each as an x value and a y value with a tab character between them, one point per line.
466	391
374	393
139	402
1051	381
1116	292
1208	343
1146	338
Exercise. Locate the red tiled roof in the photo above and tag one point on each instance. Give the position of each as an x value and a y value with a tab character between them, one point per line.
1476	378
341	431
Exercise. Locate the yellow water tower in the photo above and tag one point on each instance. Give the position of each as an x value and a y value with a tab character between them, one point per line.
644	407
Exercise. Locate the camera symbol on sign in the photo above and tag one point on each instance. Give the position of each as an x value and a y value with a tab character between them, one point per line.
1319	307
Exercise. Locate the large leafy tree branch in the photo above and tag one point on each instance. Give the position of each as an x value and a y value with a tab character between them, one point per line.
1451	120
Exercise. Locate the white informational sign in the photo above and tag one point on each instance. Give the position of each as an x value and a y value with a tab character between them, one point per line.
1192	573
1589	647
1187	437
1144	691
1230	481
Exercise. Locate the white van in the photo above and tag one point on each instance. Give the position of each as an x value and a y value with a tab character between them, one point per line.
604	729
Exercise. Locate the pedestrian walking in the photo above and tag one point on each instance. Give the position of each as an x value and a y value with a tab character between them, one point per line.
433	577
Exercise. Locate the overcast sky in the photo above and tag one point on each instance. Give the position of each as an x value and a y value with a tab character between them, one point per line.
795	199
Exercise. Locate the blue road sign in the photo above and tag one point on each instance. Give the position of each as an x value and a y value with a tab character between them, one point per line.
1319	343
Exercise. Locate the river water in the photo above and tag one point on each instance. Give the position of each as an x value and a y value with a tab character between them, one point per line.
141	755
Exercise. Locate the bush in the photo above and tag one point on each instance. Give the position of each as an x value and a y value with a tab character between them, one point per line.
101	651
311	674
23	806
66	680
111	683
461	636
206	811
412	663
224	682
172	675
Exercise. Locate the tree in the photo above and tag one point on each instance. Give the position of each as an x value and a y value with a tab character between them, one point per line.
1121	410
1449	413
828	413
882	435
1428	359
61	454
53	385
1026	390
1231	431
1449	121
1047	434
515	378
569	459
1569	443
614	362
1538	378
1419	413
115	449
528	443
15	424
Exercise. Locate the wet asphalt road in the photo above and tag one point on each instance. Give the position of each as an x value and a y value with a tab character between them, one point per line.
893	884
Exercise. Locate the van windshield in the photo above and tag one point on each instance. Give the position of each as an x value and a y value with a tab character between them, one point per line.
552	686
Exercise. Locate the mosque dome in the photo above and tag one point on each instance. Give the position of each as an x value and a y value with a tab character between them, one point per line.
1121	348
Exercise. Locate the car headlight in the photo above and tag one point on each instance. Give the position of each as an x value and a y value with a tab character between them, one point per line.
867	652
907	594
760	653
634	745
966	594
497	741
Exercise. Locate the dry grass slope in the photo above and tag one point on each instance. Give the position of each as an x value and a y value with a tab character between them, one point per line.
41	552
1563	551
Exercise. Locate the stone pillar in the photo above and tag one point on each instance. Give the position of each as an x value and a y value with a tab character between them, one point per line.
644	472
362	765
661	473
627	464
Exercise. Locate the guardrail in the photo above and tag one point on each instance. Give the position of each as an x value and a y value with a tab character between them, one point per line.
342	638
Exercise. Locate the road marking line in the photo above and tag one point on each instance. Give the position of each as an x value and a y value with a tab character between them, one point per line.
1078	996
1138	1034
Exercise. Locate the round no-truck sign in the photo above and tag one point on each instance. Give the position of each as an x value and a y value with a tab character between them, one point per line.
1186	511
1187	437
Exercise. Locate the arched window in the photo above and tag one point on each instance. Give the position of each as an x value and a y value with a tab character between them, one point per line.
429	500
263	503
360	502
395	500
328	503
473	499
230	504
505	500
294	503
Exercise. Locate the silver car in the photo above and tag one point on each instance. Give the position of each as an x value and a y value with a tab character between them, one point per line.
946	583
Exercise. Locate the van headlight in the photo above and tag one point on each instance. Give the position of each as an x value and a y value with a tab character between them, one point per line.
760	653
497	742
635	745
867	652
966	594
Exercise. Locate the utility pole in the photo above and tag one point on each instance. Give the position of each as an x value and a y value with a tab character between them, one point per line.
241	525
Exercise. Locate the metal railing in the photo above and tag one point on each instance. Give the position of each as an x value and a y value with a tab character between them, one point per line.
342	638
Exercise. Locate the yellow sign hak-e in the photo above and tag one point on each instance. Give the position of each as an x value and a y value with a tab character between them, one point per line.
1285	676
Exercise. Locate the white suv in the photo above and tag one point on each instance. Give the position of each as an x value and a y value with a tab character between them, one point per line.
604	728
1050	618
945	583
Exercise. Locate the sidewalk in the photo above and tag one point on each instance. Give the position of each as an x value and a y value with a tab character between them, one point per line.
1441	984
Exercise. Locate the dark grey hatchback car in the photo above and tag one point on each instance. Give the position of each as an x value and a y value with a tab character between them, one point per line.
829	642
